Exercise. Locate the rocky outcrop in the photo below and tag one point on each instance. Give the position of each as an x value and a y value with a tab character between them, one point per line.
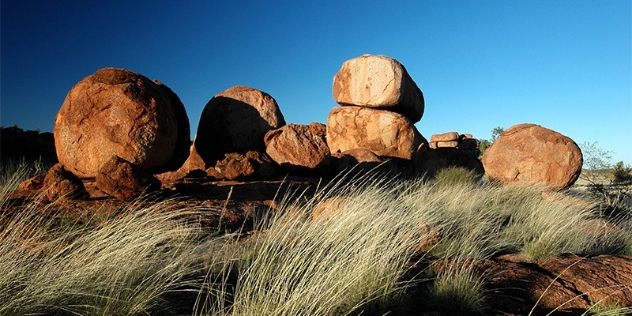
567	284
385	133
59	183
123	180
446	150
117	112
236	166
32	183
236	120
530	154
378	82
299	148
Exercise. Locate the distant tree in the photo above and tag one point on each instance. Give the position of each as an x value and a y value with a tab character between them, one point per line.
496	132
622	174
485	143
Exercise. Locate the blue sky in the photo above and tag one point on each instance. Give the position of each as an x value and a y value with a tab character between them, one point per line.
566	65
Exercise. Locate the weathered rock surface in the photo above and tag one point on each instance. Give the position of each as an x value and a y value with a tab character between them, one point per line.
123	180
569	283
378	82
299	148
117	112
530	154
59	183
238	166
385	133
236	120
32	183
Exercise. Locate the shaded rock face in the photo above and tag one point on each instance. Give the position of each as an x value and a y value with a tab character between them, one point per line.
385	133
430	161
530	154
117	112
183	142
239	166
123	180
378	82
236	120
359	161
32	183
299	148
59	183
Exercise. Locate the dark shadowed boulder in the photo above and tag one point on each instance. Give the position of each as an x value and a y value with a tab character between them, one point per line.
236	120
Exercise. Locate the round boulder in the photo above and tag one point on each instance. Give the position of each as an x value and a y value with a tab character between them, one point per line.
531	154
117	112
378	82
236	120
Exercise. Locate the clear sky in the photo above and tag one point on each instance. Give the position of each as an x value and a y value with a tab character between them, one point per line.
565	65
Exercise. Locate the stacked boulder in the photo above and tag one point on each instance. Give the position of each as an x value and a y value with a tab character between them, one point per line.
449	149
455	140
380	104
117	115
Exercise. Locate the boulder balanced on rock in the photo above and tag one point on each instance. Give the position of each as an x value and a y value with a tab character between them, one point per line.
378	82
117	112
531	154
236	120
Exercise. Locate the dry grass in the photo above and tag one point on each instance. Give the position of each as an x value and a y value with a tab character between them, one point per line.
350	262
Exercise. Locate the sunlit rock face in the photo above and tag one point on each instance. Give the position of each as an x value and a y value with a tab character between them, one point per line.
378	82
531	154
299	148
117	112
385	133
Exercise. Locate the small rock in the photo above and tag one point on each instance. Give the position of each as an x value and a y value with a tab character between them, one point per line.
32	183
60	183
123	180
